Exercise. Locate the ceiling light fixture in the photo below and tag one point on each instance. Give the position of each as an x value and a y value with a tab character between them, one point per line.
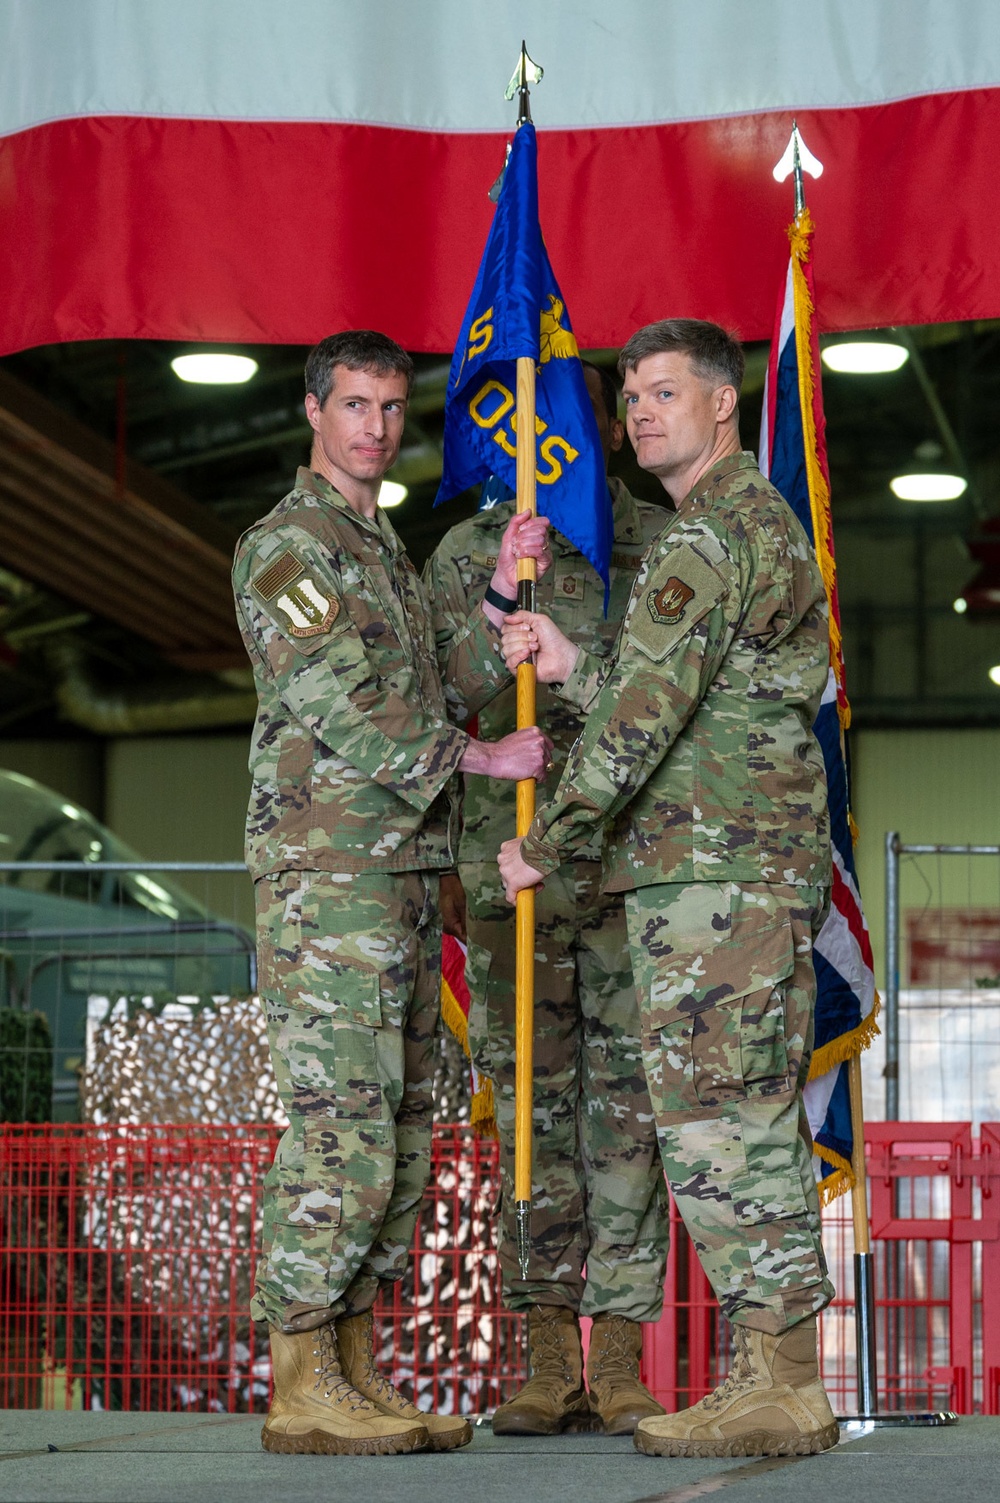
392	493
865	357
995	674
960	606
213	368
928	486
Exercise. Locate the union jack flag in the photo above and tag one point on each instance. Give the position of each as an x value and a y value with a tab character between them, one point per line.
793	457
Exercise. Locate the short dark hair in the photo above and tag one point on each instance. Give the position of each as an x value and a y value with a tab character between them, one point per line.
715	354
609	387
357	350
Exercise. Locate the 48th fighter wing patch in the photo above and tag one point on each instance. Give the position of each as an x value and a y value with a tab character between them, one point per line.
288	587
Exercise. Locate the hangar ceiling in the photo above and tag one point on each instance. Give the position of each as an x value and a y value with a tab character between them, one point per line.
123	491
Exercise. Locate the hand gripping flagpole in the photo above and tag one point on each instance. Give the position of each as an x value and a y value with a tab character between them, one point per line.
524	994
797	159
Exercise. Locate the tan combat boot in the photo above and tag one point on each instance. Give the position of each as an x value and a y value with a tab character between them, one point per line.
315	1411
617	1398
772	1404
356	1341
554	1398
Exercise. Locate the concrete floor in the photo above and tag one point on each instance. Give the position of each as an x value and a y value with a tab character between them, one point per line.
57	1457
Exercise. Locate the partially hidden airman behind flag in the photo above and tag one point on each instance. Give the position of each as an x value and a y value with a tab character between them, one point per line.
516	309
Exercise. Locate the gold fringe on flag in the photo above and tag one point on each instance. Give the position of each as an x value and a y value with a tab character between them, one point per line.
799	235
482	1116
846	1045
837	1052
840	1182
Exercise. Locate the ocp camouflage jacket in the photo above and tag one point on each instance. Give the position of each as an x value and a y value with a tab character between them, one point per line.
698	743
352	753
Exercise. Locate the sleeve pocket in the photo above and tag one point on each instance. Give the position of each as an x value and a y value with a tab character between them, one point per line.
681	590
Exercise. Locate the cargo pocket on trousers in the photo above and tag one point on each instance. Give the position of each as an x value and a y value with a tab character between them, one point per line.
738	1046
334	1060
760	1197
308	1207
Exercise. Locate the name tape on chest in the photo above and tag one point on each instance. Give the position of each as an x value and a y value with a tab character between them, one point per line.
288	586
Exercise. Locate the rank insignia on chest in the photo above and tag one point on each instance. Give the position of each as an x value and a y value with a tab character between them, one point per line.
666	605
287	585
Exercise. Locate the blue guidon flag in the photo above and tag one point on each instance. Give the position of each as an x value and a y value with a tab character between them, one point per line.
793	457
517	310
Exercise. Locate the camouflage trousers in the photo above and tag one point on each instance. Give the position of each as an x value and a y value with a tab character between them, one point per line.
726	987
350	970
599	1218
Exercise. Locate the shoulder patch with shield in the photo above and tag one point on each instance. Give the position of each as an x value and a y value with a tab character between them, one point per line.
666	605
287	585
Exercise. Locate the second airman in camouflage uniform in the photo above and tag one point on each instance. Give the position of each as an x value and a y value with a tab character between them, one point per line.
352	818
599	1228
699	762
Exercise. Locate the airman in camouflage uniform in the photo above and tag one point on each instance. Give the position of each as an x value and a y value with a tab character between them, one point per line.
599	1229
698	760
352	818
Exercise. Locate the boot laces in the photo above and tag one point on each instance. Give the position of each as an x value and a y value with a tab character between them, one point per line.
548	1346
379	1387
331	1379
617	1358
741	1375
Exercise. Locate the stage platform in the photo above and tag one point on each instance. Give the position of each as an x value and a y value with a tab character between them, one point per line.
58	1457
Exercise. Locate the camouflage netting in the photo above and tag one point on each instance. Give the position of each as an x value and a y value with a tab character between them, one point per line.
157	1059
166	1234
160	1059
25	1066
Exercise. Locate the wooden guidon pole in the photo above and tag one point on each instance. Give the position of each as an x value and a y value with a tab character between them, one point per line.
525	911
864	1277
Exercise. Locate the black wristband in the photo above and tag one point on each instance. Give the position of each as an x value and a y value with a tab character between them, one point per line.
502	602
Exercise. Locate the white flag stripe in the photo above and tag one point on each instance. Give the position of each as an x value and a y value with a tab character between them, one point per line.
817	1098
442	66
839	948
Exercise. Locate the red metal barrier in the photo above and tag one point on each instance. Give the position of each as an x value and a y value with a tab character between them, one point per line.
126	1257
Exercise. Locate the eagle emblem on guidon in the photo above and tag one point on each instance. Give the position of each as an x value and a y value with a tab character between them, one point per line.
557	343
666	606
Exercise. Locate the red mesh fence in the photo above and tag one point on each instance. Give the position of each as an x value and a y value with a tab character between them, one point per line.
126	1256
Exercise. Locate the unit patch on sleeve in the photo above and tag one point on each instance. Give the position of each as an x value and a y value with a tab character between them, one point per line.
666	605
289	588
